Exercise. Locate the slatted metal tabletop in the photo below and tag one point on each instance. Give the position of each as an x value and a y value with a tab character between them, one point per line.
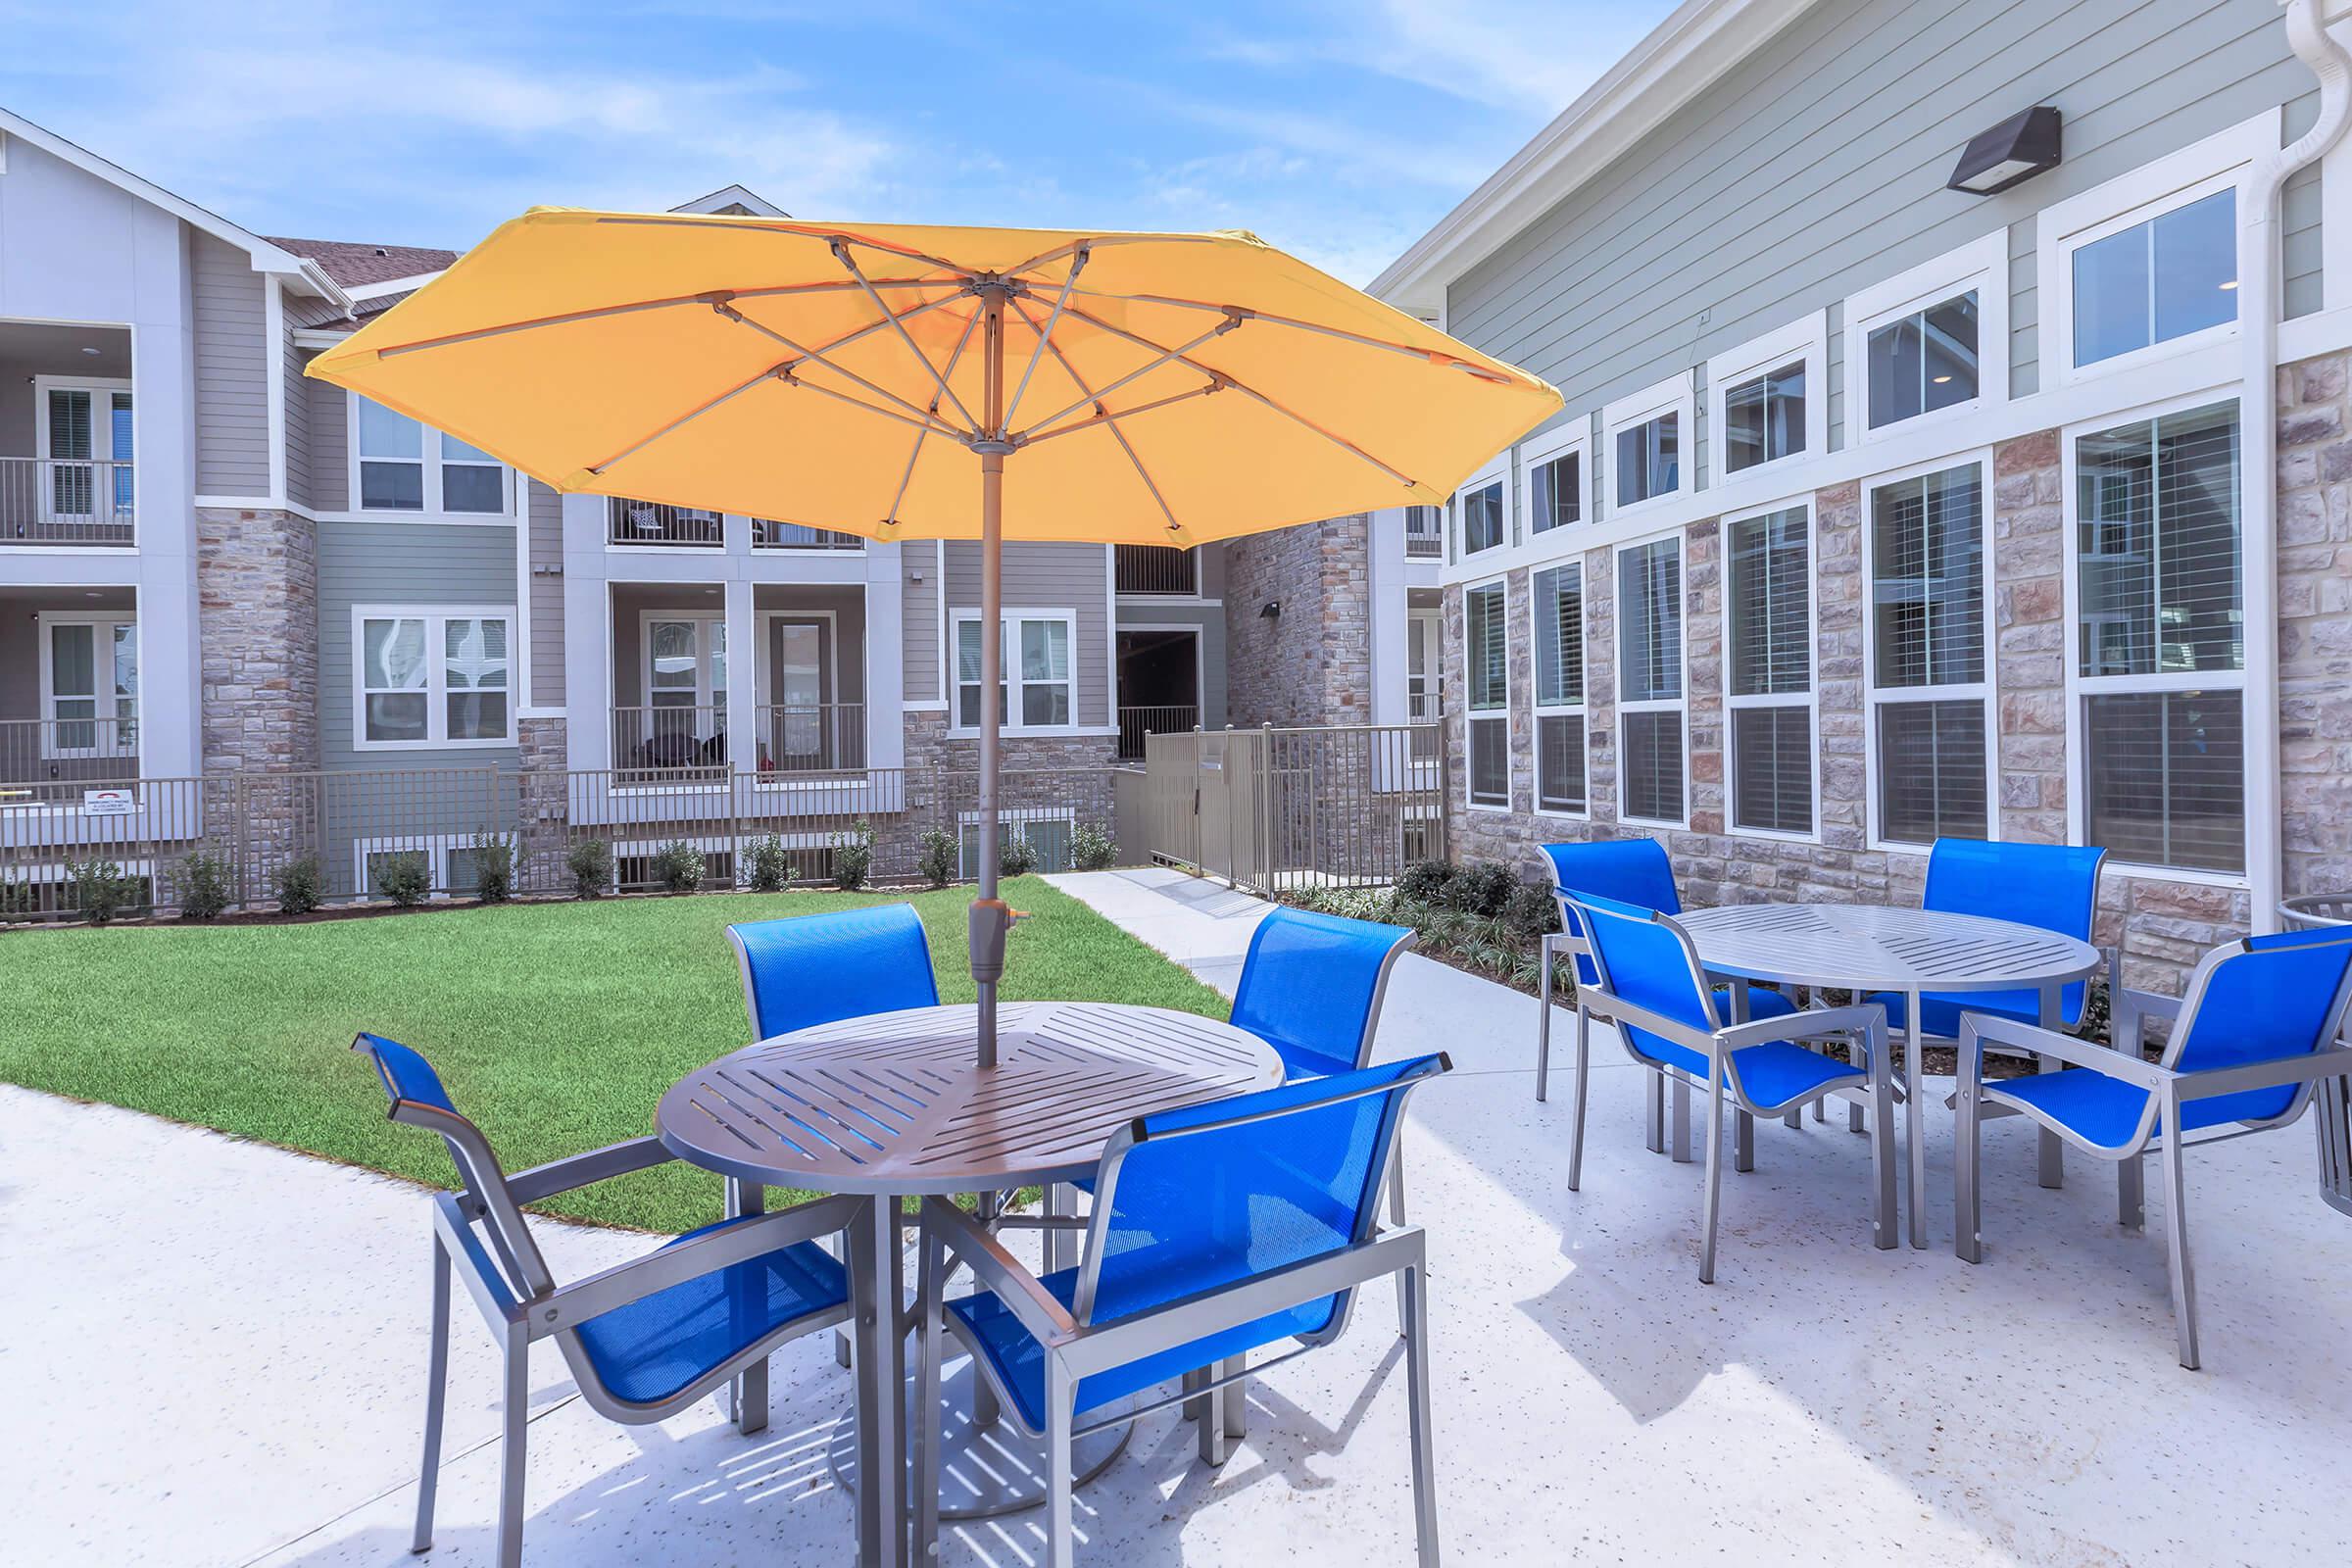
1873	948
894	1103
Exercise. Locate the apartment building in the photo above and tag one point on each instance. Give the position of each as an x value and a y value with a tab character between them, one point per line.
1955	446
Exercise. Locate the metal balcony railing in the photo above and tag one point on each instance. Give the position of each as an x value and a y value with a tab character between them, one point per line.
768	534
1425	533
657	522
1135	723
660	738
67	751
1157	570
812	737
66	501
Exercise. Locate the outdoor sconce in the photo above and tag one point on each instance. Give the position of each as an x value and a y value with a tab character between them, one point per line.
1271	610
2010	152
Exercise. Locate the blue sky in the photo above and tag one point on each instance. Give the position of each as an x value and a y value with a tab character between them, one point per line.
1339	131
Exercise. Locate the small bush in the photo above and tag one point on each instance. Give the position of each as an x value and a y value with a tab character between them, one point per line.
1015	855
771	866
494	868
1480	890
1092	849
204	884
18	897
1425	882
100	889
406	878
590	862
940	856
853	856
296	884
679	868
1531	911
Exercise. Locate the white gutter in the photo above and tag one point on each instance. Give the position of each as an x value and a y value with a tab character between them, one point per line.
2307	36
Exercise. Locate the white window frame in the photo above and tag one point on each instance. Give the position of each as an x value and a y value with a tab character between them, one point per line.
705	693
1680	705
1810	701
1539	710
436	618
433	509
1554	444
1986	692
434	846
1674	396
1982	264
1009	628
1496	471
1478	716
2222	161
2079	686
102	390
102	651
1806	340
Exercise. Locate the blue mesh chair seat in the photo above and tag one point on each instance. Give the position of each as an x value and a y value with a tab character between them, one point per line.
1646	981
1227	1229
2256	1029
644	1339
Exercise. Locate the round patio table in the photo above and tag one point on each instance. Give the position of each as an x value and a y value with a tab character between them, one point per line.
1868	947
894	1105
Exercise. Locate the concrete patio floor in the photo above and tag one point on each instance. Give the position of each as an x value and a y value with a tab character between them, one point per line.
215	1353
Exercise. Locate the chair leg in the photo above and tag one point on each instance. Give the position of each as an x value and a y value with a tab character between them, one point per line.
930	1335
2175	1236
1653	1135
1236	1399
1057	1204
1680	1134
515	1418
1061	1392
1397	1218
1744	1141
1417	1383
1706	1247
751	1385
436	1398
1583	1084
1210	1424
1544	1019
1968	1195
1884	1219
2131	1193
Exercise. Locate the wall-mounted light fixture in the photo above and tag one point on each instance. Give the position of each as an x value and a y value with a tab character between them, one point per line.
1269	610
2010	152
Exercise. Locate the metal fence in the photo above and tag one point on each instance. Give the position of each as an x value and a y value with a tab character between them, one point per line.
1425	533
66	501
1137	724
1155	569
1274	809
52	758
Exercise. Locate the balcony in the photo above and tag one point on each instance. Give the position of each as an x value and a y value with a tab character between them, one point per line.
51	761
657	522
1159	571
691	738
66	501
1425	533
768	534
66	436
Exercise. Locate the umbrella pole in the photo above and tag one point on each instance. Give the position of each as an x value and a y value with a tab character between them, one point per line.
989	918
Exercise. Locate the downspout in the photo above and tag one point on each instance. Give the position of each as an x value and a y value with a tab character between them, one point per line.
2258	304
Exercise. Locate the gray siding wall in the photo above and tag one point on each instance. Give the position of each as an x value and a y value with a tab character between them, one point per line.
298	426
233	384
326	412
406	563
1818	168
546	595
1049	576
918	617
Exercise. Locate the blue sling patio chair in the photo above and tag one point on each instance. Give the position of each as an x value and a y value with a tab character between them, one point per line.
1648	983
1218	1230
644	1339
2255	1030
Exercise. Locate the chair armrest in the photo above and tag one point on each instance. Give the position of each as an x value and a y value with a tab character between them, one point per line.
2307	1069
1978	1029
1617	1011
998	1270
570	1306
2128	1013
585	1170
1861	1017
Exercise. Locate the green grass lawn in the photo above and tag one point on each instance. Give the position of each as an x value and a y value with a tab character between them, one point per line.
558	1026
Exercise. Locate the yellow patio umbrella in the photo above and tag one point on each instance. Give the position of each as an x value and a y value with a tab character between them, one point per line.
1104	387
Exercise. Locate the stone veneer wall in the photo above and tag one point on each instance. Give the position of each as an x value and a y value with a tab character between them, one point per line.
2314	622
1039	772
1311	664
257	589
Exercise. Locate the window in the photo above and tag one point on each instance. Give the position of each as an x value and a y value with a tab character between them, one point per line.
2160	652
1555	489
1764	418
1558	606
405	468
1485	648
89	686
1929	694
1482	509
1046	830
1647	435
683	712
1039	691
1649	683
1924	361
1768	400
2161	279
1932	340
433	678
1768	642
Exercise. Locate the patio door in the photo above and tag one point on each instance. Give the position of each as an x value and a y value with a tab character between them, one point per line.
1422	636
685	686
803	730
90	687
86	437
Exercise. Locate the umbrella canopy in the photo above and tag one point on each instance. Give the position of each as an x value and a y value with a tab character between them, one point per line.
1124	388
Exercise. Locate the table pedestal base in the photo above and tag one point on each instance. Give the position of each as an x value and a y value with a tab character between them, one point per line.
983	1471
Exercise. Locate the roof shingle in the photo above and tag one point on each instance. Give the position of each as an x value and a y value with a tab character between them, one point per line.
353	263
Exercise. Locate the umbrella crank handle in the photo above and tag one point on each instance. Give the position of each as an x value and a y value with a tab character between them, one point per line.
988	923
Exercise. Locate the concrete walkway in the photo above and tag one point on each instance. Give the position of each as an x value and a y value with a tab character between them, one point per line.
214	1354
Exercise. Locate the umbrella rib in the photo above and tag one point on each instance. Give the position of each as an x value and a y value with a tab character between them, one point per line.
691	414
841	254
634	307
1165	356
1103	415
1046	337
1405	479
1126	446
917	451
818	357
832	237
1090	240
1341	333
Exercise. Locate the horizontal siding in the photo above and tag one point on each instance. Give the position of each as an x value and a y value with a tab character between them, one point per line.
298	426
1818	168
1051	576
2299	243
546	596
418	564
232	382
329	414
918	614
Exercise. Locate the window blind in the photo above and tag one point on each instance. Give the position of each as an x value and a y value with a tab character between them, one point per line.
1931	772
1487	646
1560	763
1650	619
1650	765
1559	595
1928	579
1770	644
2158	547
1772	785
2166	777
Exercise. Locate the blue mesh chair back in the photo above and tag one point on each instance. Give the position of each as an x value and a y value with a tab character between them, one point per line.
2278	999
808	969
1634	871
1644	962
2053	886
1310	987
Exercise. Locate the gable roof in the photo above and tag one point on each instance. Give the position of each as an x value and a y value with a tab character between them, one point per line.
733	199
354	264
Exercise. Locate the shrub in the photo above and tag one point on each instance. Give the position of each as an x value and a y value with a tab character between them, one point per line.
1482	890
100	889
1015	855
590	862
940	858
771	867
1531	911
204	884
853	856
18	897
678	867
296	884
1092	849
406	878
494	862
1425	882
